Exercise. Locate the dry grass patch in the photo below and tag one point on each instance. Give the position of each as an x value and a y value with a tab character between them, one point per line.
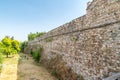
30	70
9	69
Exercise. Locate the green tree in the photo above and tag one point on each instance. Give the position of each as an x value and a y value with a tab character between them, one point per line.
23	45
0	47
6	41
32	36
9	46
15	46
6	45
39	34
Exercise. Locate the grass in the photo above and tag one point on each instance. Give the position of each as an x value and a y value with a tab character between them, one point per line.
1	61
12	60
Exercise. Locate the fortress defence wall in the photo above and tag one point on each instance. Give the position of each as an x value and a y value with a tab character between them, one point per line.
87	48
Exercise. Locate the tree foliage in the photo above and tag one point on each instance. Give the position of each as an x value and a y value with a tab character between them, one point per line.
9	46
32	36
15	46
6	41
23	45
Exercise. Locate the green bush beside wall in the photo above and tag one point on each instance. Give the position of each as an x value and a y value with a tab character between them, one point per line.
37	54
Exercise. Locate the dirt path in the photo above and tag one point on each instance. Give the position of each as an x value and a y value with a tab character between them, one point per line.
25	70
30	70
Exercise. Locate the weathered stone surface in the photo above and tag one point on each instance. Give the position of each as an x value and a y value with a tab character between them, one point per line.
113	77
89	46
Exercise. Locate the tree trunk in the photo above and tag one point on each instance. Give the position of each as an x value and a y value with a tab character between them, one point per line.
7	55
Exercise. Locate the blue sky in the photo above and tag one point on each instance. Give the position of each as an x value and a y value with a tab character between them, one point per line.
20	17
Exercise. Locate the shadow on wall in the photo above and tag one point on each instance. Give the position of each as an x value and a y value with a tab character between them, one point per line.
57	67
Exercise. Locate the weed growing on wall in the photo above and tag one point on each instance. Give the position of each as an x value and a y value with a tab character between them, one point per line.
49	39
74	38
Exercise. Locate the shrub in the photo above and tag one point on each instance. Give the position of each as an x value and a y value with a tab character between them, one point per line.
74	38
37	54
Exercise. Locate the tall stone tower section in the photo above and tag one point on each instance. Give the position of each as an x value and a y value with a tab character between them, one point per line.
102	11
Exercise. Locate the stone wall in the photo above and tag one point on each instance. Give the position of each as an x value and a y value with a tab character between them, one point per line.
87	47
